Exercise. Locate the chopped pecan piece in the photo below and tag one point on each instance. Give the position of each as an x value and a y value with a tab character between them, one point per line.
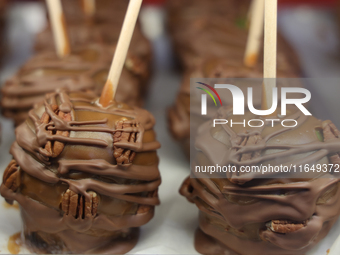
286	226
53	149
45	118
79	206
124	156
10	178
59	146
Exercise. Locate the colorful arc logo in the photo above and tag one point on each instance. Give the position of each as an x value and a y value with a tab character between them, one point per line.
208	92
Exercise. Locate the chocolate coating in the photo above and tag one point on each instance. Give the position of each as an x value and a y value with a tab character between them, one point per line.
247	214
85	177
86	69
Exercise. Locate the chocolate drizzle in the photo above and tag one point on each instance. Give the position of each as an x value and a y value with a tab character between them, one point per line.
127	193
264	214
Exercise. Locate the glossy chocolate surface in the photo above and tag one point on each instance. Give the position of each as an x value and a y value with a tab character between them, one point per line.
250	214
107	157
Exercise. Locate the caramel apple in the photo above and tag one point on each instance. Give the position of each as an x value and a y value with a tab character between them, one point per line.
252	213
85	69
85	177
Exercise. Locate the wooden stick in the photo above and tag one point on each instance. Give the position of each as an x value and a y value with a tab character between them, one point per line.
250	12
119	58
57	19
255	33
89	7
270	52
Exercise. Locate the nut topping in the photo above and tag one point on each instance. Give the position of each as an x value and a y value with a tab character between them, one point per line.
45	118
10	178
285	226
59	146
124	156
79	206
54	148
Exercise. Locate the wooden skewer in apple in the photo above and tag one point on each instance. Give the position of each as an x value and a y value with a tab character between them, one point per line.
58	23
89	7
270	53
110	88
255	33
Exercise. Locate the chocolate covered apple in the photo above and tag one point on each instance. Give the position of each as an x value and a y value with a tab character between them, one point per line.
85	69
86	177
251	213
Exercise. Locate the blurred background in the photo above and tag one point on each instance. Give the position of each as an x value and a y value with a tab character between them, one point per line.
312	26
